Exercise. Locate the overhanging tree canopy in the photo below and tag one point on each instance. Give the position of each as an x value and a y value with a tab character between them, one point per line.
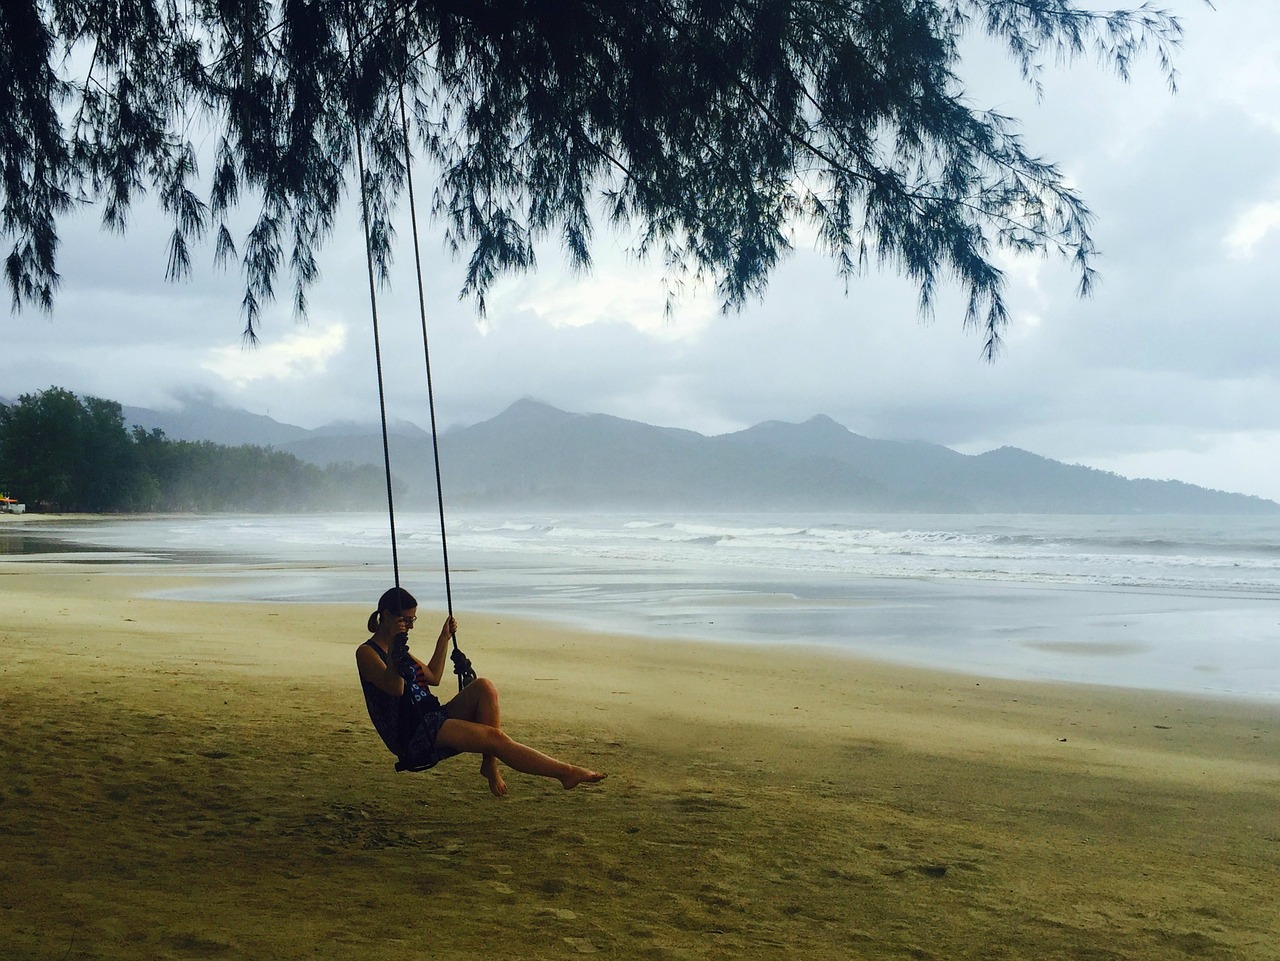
705	128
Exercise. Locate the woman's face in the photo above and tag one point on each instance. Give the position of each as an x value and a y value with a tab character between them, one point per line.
403	622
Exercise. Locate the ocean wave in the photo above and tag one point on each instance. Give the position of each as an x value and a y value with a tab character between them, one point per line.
1175	554
945	590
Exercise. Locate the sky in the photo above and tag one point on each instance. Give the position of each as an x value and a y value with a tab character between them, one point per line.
1171	369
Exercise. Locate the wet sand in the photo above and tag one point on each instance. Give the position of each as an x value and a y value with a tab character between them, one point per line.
200	780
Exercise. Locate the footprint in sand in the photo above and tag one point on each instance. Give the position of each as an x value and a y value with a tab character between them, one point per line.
560	914
564	914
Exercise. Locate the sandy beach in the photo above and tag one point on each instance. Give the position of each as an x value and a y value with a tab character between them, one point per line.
196	780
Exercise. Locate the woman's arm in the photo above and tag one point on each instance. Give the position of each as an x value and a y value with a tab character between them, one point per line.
433	670
382	676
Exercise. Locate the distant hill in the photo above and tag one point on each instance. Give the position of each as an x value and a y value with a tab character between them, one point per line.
201	420
1007	480
535	456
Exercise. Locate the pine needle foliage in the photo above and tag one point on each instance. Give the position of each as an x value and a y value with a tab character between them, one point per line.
706	132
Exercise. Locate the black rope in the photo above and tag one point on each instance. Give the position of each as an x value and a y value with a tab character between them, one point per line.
373	310
461	665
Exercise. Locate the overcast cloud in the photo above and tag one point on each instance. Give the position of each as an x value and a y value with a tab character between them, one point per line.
1170	370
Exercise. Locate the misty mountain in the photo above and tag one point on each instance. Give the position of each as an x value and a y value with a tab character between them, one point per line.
535	456
200	419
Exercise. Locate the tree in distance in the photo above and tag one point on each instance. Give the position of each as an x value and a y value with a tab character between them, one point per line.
70	453
706	130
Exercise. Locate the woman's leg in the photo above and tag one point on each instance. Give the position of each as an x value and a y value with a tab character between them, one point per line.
493	742
478	702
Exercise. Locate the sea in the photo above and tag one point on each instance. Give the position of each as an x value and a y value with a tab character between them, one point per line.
1187	604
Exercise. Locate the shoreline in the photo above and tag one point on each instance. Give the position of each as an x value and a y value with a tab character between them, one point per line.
169	586
1121	637
191	583
186	779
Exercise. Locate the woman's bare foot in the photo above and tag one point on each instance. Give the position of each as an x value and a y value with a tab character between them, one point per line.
489	768
580	775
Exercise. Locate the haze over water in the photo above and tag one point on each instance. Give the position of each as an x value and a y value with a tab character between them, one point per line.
1181	603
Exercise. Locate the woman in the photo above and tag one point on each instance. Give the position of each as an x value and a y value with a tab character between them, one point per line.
412	722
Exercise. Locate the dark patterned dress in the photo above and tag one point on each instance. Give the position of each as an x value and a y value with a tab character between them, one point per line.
408	724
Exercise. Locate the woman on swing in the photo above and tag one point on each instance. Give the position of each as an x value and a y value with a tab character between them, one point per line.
421	731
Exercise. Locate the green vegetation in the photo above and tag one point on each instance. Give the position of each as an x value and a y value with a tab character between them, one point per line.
706	131
60	452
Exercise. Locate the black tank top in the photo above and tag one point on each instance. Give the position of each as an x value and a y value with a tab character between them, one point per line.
394	718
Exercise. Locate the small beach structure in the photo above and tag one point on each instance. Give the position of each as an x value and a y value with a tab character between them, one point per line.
10	506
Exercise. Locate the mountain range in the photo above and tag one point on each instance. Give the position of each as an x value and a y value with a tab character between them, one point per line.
535	456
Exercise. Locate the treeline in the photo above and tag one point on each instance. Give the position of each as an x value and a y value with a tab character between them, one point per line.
60	452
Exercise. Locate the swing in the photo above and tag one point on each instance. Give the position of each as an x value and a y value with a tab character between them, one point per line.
400	651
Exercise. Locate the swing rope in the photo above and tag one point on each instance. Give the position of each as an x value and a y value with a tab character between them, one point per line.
461	665
377	351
